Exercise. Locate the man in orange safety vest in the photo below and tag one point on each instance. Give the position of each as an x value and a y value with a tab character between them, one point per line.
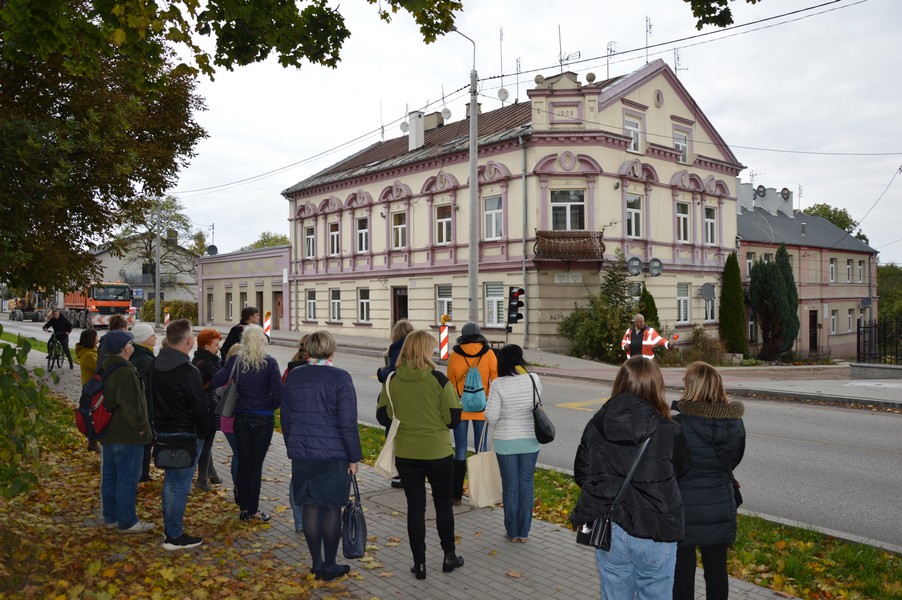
641	339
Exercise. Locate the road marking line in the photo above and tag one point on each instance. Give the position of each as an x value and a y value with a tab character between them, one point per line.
583	405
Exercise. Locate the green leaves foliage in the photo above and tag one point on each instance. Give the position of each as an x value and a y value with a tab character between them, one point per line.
774	299
732	309
713	12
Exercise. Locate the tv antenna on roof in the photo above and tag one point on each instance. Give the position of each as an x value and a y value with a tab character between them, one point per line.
676	63
612	49
564	58
648	27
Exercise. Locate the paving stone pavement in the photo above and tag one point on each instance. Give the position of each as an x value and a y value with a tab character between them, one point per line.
550	565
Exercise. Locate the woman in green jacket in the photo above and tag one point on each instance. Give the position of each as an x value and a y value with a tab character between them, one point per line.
426	404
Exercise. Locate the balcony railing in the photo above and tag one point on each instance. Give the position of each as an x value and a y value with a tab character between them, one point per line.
569	245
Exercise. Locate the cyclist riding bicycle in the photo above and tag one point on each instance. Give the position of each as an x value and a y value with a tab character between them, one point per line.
61	330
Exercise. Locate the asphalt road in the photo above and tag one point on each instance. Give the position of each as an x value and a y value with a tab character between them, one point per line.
834	469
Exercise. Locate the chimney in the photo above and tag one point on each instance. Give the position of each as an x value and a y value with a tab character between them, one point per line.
416	135
433	121
478	109
803	228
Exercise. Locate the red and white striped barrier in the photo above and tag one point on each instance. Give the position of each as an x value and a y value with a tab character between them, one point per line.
443	342
165	318
267	323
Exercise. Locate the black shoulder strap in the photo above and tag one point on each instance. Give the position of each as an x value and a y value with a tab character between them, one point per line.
629	475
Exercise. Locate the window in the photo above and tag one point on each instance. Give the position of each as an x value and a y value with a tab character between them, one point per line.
709	310
399	230
494	304
753	331
242	300
443	303
568	209
768	258
334	240
682	219
860	271
209	307
832	270
632	127
493	224
633	215
311	305
833	317
749	263
363	235
309	242
335	304
682	303
849	271
228	306
443	224
710	225
363	305
851	317
681	143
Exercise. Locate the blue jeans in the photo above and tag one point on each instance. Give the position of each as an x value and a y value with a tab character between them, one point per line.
517	474
460	438
176	487
119	477
635	566
253	434
233	444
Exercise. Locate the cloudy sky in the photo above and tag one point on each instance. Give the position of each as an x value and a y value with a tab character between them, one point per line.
809	100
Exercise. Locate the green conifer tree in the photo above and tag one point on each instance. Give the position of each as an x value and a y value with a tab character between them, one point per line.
732	309
790	308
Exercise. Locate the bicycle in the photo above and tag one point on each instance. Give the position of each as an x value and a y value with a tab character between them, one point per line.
55	353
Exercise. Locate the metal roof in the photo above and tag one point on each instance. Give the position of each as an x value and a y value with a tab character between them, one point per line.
763	227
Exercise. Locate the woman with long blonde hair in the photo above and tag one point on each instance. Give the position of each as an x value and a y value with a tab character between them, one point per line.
426	404
259	395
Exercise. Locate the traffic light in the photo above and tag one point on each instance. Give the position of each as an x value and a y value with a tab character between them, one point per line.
514	304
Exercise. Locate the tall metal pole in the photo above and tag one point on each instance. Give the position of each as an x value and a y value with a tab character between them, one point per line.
156	272
473	263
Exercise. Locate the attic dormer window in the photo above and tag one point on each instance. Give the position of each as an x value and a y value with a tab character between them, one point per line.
632	127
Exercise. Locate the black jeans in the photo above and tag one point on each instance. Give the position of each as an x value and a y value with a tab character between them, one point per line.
253	433
714	561
440	473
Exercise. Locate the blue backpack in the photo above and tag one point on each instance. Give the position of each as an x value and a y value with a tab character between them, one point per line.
473	397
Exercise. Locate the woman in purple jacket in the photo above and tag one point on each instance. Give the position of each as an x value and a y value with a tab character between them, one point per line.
319	423
259	395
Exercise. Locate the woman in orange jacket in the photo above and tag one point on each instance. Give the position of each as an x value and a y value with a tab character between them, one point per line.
472	350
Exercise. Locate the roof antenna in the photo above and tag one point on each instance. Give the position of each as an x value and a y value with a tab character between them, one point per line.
676	63
612	49
381	122
561	57
517	99
501	55
647	33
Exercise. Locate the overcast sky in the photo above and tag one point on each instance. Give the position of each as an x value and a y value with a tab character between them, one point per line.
806	101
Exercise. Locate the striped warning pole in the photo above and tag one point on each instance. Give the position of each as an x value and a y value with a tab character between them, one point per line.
443	342
267	323
165	317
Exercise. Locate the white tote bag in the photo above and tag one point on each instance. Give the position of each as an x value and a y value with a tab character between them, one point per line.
484	476
385	462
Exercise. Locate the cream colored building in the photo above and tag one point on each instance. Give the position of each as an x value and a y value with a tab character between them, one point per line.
565	180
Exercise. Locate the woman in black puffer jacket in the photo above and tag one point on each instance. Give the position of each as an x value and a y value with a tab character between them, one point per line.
206	359
648	521
716	436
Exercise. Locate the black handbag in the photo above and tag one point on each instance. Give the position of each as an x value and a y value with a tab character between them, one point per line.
598	534
544	428
175	450
353	526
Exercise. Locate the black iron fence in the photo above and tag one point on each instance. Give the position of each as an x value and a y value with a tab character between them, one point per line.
880	342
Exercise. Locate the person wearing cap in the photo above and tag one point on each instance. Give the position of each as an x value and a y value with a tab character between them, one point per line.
145	340
472	350
125	436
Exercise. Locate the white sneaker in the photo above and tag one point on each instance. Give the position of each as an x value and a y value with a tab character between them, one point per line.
139	527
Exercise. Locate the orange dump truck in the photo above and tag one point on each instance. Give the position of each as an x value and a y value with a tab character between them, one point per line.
94	306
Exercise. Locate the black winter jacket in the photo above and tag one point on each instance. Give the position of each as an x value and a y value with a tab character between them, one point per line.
143	359
650	507
208	364
178	394
711	430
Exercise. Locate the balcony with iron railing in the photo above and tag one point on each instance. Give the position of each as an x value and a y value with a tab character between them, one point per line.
569	245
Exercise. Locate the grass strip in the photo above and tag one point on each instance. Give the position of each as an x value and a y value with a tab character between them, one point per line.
800	562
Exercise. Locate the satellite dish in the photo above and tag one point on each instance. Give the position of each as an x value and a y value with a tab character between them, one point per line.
503	95
446	114
404	127
655	267
760	191
540	80
708	291
785	193
634	266
590	77
212	250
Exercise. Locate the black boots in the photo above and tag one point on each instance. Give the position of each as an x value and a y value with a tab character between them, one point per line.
419	569
451	562
457	486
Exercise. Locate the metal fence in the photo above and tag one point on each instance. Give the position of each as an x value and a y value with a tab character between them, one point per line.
880	342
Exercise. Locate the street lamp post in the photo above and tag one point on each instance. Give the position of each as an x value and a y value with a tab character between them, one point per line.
473	263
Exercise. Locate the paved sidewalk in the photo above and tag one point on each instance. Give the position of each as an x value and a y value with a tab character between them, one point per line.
549	565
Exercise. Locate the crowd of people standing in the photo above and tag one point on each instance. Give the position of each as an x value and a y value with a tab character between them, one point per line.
678	499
